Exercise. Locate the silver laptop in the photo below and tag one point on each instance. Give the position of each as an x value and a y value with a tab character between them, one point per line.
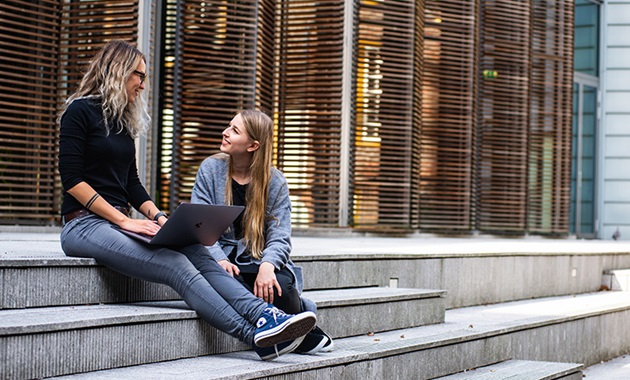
192	223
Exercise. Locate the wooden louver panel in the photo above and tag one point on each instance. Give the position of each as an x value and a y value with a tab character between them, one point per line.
265	55
309	54
44	48
503	116
217	79
85	27
416	114
28	77
550	116
448	115
169	113
383	146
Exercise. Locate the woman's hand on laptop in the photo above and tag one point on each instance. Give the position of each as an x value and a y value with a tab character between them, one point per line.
141	226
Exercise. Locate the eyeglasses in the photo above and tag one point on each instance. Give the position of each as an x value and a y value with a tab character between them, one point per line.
142	75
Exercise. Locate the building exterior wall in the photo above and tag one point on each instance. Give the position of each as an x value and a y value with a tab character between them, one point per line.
455	117
614	144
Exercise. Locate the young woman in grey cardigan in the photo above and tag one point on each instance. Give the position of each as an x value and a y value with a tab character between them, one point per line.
256	249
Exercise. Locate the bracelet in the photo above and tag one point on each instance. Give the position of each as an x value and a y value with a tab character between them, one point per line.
158	215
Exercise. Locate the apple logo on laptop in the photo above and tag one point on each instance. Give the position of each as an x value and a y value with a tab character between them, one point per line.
198	225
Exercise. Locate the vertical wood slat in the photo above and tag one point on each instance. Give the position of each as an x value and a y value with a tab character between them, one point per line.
28	77
448	115
503	116
265	55
169	111
550	114
309	66
417	114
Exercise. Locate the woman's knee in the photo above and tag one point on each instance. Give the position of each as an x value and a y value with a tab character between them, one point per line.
202	260
289	302
179	268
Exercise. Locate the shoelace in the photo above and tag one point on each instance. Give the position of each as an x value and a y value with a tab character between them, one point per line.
275	347
276	312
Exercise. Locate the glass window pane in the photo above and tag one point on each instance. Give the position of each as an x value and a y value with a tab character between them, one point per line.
586	37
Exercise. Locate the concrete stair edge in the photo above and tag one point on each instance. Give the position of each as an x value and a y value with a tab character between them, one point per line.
57	318
367	295
520	370
168	328
469	279
463	346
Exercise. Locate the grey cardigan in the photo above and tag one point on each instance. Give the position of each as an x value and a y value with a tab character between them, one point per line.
209	188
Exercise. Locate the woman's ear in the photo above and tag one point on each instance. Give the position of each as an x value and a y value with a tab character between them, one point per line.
253	146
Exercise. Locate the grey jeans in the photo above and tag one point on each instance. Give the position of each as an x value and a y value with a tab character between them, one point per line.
217	297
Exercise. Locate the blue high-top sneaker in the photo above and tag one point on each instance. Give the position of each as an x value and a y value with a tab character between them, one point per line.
274	326
268	353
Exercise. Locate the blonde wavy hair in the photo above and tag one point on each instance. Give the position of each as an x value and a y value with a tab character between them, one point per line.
259	127
106	77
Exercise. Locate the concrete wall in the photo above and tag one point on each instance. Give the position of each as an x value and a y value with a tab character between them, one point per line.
470	280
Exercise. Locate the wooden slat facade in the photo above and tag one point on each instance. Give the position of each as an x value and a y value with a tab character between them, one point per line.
44	48
448	115
384	130
550	116
435	145
218	63
28	89
502	125
309	94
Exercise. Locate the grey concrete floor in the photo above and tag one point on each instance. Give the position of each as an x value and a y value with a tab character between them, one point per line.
12	245
615	369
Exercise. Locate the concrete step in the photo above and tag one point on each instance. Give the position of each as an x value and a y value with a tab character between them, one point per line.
56	280
614	369
470	277
34	273
51	341
574	329
522	370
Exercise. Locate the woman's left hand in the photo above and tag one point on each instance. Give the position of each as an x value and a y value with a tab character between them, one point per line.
265	283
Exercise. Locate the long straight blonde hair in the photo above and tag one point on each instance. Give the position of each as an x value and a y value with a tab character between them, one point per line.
259	127
106	77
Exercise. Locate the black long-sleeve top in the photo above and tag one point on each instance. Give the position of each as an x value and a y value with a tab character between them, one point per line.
107	162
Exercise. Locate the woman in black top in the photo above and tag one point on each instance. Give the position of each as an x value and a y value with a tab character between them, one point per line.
97	163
